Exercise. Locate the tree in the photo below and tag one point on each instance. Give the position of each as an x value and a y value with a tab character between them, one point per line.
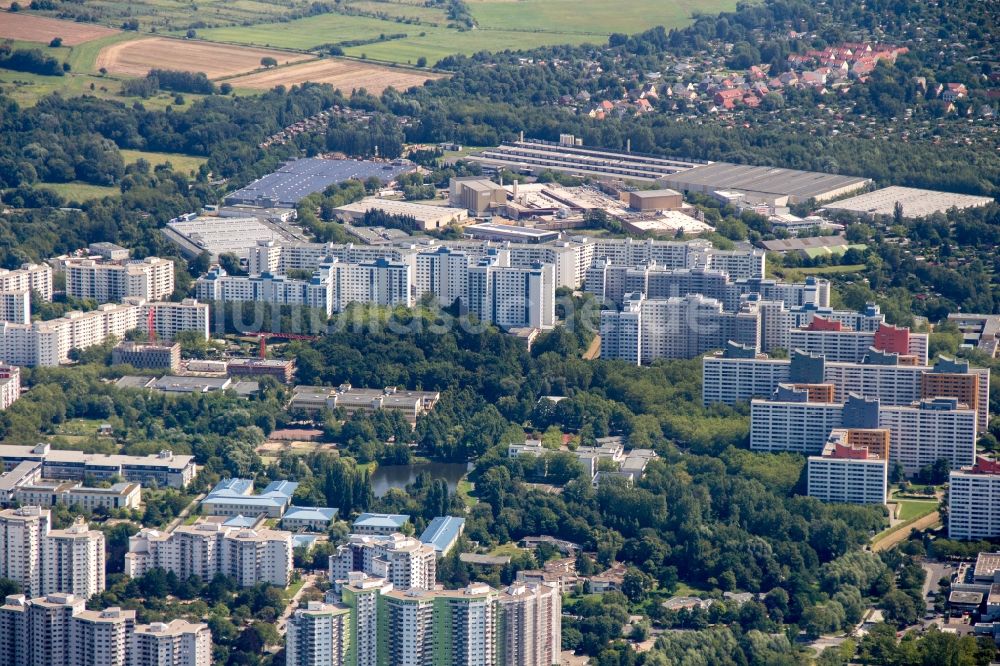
899	608
56	42
268	62
191	34
421	61
635	584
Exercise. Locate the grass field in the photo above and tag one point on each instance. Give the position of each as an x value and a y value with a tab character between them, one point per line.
80	192
913	509
181	163
425	41
181	14
589	17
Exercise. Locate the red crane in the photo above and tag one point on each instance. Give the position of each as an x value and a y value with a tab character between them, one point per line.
151	323
263	337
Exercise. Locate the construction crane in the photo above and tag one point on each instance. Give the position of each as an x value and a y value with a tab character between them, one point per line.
263	337
151	323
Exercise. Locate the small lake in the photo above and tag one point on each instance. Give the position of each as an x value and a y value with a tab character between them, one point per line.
400	476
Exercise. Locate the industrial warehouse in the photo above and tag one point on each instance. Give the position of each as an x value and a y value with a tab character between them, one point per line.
299	178
758	183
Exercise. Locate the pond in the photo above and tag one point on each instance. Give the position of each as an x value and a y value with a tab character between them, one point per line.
399	476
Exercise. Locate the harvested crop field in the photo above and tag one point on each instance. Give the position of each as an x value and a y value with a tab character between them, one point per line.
344	74
137	57
29	28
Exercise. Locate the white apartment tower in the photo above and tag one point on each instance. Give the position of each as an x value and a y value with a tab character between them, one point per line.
318	635
151	278
50	629
101	638
531	620
848	474
175	643
401	560
73	561
512	297
22	531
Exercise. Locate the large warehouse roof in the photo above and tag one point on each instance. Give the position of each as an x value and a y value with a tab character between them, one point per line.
915	202
299	178
772	181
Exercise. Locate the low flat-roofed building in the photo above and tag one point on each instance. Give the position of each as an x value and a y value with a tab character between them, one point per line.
915	203
316	518
987	567
429	218
981	331
122	495
297	179
669	222
234	497
963	601
379	523
282	370
188	384
220	235
140	355
410	404
811	246
477	195
24	473
161	469
780	186
655	199
442	533
509	232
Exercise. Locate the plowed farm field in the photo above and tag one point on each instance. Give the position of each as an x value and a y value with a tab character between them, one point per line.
347	75
137	57
28	28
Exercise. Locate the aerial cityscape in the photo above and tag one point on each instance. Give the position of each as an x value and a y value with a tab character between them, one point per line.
493	333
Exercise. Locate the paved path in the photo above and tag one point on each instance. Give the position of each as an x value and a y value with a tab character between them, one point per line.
900	535
185	512
594	350
293	603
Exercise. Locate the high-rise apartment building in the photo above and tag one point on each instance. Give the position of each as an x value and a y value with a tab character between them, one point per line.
674	328
174	643
974	501
205	549
22	531
318	635
101	637
847	473
73	561
151	278
401	560
530	625
476	625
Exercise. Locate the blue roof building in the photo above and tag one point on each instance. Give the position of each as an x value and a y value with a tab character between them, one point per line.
233	497
316	518
442	533
379	523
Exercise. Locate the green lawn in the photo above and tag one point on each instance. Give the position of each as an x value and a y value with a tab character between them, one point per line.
80	192
509	549
589	17
428	41
181	163
913	509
